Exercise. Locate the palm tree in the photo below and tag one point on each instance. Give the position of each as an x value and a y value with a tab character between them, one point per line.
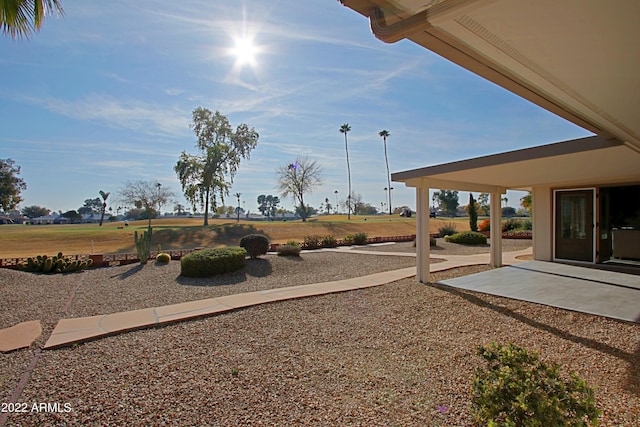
345	128
21	18
384	134
104	196
238	208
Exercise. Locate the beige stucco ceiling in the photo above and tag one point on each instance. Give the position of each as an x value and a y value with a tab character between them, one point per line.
576	58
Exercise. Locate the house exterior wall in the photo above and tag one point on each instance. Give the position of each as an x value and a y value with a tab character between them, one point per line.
542	223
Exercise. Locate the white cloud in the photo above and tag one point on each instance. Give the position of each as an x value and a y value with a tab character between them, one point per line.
119	113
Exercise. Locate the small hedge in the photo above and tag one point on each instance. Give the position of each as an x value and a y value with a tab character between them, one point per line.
209	262
467	238
255	245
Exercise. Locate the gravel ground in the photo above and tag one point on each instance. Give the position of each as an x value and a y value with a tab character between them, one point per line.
398	354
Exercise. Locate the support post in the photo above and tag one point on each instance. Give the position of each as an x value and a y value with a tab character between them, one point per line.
496	227
422	233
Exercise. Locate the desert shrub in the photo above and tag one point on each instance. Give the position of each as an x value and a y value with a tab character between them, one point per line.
485	225
288	250
518	389
293	243
209	262
447	230
511	224
329	242
55	264
348	239
255	244
163	257
312	242
467	238
432	242
360	239
526	225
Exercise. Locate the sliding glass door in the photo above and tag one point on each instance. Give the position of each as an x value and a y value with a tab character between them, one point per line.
574	225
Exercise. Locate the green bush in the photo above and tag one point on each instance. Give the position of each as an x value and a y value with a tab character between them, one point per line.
209	262
519	390
293	243
511	224
288	250
255	244
360	239
467	238
329	242
348	239
312	242
526	225
447	230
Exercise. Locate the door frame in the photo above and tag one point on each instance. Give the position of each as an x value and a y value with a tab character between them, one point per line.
594	233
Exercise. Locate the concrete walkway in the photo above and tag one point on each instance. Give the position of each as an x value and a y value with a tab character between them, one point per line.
69	331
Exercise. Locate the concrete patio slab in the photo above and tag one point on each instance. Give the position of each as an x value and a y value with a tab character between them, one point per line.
19	336
587	290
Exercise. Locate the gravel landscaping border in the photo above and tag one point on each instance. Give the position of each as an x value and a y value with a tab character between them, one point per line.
399	354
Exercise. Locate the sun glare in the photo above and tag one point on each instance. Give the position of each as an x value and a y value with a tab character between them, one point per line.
245	51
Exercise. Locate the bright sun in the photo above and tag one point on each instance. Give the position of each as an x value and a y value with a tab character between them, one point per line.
245	51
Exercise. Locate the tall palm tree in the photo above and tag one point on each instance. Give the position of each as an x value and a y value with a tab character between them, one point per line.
238	208
21	18
384	134
105	196
345	128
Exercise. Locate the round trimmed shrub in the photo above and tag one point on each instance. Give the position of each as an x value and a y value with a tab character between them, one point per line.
209	262
467	238
255	244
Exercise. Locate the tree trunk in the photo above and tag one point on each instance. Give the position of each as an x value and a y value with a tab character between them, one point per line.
206	209
104	206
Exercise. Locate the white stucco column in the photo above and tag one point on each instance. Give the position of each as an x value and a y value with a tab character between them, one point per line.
422	233
496	227
542	218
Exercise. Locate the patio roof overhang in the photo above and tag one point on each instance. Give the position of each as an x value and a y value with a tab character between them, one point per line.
585	161
575	58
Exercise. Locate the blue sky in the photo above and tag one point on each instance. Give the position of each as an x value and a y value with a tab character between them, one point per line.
105	94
